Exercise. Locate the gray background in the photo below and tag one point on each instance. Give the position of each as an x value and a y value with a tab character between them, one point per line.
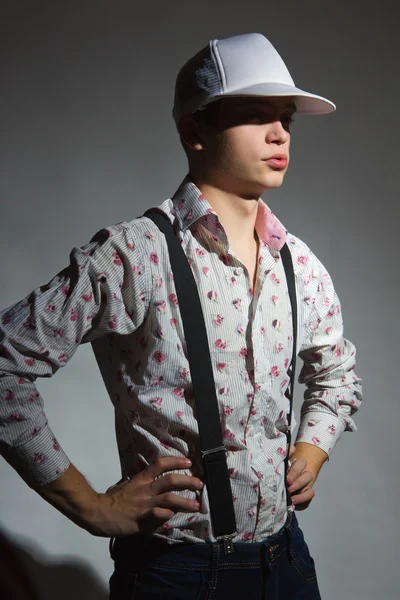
87	140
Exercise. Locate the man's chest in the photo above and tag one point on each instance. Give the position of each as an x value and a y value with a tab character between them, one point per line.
244	327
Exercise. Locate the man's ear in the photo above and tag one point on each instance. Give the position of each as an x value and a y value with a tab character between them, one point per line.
190	135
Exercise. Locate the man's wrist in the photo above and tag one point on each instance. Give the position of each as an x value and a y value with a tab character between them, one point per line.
314	456
72	495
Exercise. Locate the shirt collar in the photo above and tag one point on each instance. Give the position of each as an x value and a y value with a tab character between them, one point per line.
189	205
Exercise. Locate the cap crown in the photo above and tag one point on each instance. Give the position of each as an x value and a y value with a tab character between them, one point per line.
248	59
224	66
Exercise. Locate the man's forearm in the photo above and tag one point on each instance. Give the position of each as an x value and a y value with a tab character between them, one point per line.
72	495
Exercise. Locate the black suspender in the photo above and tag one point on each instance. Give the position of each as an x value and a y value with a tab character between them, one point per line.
288	266
212	447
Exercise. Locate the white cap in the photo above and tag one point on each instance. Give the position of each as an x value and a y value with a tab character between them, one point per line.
242	65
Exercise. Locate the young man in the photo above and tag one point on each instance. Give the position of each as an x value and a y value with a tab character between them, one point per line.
234	103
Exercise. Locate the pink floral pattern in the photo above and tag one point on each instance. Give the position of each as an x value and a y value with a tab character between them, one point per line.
119	295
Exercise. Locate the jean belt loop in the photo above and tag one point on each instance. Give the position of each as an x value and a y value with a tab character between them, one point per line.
215	557
288	528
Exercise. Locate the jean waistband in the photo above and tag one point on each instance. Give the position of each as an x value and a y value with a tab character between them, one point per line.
140	549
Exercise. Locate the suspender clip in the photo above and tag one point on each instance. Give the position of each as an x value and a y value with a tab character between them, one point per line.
212	451
227	540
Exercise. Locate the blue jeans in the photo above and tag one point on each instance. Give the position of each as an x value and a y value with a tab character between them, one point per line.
280	568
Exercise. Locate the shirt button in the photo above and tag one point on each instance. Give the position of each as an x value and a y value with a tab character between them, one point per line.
238	271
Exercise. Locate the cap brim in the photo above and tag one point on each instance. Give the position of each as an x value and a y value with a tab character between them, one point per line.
306	103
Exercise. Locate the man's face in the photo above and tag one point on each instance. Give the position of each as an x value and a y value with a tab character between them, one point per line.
243	136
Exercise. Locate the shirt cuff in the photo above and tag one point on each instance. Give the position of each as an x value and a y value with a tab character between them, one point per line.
320	429
39	461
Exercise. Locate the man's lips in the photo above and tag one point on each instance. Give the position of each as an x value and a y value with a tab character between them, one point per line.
278	156
278	161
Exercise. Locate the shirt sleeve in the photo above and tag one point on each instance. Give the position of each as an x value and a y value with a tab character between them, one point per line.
105	289
333	390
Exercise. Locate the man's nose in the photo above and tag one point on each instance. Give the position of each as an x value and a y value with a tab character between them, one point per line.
277	133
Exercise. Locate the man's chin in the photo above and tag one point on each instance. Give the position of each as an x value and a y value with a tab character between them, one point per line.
273	180
255	186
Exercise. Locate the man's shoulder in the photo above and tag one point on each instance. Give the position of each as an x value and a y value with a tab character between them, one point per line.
298	248
305	262
139	228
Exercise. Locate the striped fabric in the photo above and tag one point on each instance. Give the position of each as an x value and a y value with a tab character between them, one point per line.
118	293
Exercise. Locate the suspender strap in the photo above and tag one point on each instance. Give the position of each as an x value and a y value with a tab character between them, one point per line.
212	446
288	266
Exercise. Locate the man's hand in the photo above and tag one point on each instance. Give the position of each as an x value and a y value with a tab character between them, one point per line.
145	502
306	461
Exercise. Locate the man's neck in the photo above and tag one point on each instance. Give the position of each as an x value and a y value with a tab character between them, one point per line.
237	214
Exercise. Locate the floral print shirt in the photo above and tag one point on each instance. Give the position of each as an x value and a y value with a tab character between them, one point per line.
118	293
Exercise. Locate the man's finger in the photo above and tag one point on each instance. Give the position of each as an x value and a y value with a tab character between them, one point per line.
167	463
296	469
175	482
172	501
303	498
156	518
301	482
